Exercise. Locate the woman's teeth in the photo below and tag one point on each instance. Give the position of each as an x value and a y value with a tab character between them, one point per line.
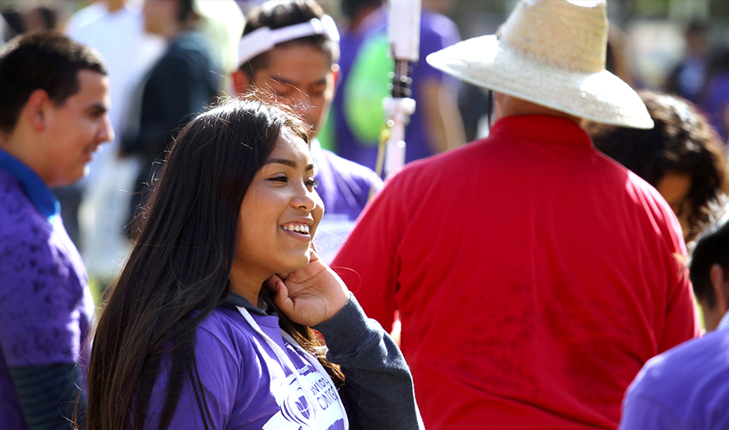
299	228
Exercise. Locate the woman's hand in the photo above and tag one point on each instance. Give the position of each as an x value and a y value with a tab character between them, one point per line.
311	295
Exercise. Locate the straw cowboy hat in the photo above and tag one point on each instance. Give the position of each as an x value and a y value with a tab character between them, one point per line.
552	53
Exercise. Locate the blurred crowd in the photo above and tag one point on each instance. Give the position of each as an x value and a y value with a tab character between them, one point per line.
169	60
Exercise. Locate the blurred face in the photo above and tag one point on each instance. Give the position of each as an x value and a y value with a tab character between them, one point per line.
301	76
76	129
674	187
157	14
279	213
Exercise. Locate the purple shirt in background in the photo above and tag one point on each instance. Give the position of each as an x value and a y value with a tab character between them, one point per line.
344	188
685	388
436	32
45	304
716	102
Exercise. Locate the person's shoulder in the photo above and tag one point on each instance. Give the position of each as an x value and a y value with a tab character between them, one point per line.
687	370
438	26
84	17
20	221
437	22
225	329
190	44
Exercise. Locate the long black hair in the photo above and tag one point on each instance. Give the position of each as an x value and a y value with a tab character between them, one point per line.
179	268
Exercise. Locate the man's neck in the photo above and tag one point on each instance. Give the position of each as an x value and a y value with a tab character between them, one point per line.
507	105
115	5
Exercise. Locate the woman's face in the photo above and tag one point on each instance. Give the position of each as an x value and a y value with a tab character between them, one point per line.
674	187
158	14
279	213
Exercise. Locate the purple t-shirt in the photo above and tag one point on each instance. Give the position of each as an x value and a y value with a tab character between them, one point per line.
685	388
716	102
246	385
45	304
436	32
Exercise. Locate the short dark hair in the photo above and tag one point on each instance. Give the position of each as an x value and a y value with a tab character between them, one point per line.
712	247
279	14
45	60
681	142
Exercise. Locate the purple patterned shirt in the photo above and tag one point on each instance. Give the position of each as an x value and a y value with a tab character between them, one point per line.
45	304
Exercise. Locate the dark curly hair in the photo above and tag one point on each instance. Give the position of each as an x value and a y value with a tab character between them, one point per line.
682	142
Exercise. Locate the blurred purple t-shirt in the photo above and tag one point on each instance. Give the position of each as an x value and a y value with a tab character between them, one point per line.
436	32
45	305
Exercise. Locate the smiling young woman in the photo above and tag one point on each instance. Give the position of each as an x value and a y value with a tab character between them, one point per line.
208	324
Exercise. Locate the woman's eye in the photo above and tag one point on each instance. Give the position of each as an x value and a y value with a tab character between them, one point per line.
312	183
282	179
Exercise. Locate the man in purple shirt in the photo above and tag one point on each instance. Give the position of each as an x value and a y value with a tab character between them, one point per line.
53	104
687	386
291	49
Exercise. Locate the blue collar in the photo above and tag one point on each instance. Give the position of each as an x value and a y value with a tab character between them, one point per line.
34	187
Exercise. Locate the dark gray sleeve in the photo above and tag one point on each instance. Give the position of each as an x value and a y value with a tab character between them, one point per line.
378	381
50	395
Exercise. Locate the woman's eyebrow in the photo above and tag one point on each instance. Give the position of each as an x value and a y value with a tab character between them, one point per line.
286	162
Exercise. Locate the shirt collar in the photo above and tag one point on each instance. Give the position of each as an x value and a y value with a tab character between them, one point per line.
34	187
233	300
724	323
543	128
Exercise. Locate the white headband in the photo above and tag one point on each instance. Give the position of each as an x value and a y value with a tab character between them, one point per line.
264	39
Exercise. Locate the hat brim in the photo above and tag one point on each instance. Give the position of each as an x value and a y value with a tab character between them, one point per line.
601	97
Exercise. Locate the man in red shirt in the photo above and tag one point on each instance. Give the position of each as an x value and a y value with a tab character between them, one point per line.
533	275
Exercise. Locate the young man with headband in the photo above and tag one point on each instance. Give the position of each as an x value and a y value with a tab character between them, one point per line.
290	49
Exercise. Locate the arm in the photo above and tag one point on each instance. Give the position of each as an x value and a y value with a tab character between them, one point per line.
41	329
378	381
437	93
443	118
51	395
682	318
